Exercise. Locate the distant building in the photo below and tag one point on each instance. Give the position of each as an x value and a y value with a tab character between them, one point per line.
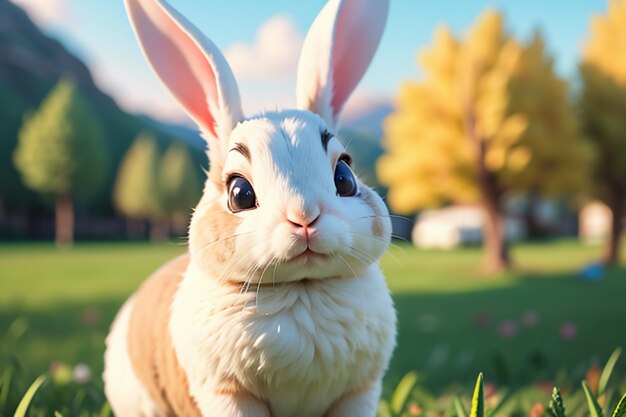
594	222
456	226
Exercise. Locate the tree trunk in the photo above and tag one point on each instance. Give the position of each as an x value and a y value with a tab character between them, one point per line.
612	248
159	230
135	228
179	225
496	250
64	225
496	258
533	228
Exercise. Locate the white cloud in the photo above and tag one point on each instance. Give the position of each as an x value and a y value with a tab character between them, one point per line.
115	79
270	95
48	13
273	54
362	102
136	91
265	69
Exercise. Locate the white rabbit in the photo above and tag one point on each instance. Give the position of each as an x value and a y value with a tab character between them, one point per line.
280	308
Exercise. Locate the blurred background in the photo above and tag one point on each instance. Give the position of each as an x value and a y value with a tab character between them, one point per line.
495	131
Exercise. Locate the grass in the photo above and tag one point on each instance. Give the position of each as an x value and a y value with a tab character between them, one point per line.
453	321
450	314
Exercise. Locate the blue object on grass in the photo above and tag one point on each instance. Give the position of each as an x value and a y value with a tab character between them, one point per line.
592	272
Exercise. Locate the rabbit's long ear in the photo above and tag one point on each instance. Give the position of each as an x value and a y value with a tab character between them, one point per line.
337	50
190	66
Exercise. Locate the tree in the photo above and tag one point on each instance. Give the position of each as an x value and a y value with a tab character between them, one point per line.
489	120
365	149
603	114
61	152
180	188
136	192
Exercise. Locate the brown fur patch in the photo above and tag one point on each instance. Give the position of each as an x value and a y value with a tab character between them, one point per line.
313	104
150	346
218	228
378	228
215	175
230	387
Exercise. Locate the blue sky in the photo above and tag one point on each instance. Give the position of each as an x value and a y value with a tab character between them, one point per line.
98	31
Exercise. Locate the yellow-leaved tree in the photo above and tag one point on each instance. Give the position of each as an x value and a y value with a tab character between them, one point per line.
603	114
490	119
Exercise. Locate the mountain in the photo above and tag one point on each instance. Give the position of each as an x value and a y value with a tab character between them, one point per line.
369	120
31	63
190	135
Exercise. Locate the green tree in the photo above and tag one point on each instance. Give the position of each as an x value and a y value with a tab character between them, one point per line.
603	114
180	188
136	193
489	120
61	152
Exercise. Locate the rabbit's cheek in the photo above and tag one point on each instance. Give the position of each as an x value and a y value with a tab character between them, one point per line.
216	168
332	235
378	225
214	241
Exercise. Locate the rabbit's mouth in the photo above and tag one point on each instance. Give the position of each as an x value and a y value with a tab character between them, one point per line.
307	255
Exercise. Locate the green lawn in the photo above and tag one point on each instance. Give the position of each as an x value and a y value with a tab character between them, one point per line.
57	306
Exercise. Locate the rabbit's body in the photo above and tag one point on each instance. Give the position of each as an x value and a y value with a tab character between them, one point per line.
280	308
142	370
319	341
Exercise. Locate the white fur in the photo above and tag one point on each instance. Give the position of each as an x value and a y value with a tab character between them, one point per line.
309	337
297	346
125	392
291	173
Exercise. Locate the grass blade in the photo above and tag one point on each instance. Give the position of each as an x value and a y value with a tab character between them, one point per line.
594	408
620	409
22	407
608	370
57	414
478	400
401	395
106	410
556	407
505	396
384	410
458	407
5	387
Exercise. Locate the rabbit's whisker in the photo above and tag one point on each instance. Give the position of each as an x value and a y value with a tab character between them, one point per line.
222	239
274	276
392	255
258	287
397	236
363	256
390	216
400	248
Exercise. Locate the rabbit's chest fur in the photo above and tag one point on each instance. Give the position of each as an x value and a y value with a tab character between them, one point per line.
297	346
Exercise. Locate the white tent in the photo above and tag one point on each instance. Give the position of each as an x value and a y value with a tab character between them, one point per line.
456	226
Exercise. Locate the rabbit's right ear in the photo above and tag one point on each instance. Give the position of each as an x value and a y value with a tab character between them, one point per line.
190	66
336	53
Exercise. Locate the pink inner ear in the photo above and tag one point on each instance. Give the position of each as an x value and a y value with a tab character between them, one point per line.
357	34
178	60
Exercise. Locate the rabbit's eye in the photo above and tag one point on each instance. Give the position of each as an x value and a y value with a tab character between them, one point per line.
345	182
240	195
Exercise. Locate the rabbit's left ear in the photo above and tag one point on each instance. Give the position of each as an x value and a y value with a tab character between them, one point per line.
337	50
190	66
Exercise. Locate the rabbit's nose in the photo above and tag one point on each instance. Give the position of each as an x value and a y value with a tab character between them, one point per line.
303	222
303	227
